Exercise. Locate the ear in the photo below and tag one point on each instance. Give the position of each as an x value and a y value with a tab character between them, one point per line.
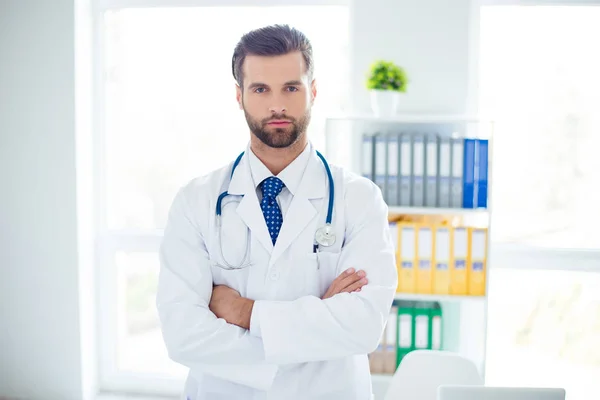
313	91
238	96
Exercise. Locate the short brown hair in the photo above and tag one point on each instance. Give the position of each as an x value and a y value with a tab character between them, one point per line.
273	40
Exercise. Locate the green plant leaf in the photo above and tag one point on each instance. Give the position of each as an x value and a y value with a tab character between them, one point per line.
385	75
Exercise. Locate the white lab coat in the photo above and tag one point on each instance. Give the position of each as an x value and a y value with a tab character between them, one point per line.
305	347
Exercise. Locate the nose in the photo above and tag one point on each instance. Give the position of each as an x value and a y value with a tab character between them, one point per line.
277	109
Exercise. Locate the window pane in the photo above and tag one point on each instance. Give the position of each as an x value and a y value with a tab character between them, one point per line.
540	81
543	330
171	112
140	347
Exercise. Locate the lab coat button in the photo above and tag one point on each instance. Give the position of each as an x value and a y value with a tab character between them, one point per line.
274	275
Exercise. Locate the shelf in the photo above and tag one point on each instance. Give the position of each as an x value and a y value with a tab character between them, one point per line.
437	297
436	211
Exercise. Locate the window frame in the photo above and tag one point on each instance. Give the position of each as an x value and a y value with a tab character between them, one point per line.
510	256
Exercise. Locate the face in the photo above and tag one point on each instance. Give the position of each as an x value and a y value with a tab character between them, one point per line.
276	98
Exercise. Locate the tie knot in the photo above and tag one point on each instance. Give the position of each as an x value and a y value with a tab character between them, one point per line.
271	187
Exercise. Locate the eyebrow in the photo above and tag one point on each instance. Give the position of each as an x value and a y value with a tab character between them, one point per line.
256	84
260	84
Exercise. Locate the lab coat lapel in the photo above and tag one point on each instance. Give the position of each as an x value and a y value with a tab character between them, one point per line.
249	208
301	211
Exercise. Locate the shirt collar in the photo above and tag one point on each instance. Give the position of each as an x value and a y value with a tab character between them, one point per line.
290	176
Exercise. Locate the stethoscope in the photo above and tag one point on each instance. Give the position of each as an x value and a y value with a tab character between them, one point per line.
324	236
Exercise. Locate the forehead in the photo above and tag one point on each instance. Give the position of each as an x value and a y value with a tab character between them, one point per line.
274	69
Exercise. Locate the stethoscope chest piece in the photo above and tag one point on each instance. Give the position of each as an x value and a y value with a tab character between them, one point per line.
325	235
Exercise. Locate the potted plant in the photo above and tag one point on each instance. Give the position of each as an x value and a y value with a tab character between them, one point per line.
386	81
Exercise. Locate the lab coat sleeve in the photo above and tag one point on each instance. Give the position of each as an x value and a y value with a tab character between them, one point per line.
193	335
310	329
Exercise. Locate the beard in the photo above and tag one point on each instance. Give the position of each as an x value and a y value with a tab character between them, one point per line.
278	138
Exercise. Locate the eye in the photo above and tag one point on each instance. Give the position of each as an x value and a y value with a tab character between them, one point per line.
260	90
292	89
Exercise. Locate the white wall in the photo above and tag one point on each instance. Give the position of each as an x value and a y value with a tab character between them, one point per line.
429	38
40	337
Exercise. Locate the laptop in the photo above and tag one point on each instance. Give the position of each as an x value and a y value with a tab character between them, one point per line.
456	392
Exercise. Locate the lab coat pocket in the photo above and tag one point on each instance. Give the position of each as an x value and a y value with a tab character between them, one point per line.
321	270
234	278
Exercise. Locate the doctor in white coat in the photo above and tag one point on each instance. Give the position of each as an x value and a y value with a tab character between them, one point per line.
284	293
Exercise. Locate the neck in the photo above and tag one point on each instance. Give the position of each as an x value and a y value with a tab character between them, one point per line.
277	159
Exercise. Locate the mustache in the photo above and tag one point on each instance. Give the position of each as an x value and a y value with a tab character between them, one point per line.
277	117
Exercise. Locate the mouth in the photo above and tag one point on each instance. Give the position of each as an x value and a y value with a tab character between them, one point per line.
279	122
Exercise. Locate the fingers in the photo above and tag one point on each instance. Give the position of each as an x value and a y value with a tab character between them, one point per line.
356	286
339	283
349	278
349	281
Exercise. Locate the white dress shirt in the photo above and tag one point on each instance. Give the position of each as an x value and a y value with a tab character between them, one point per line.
291	177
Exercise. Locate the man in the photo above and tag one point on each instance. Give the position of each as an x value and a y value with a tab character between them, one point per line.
249	300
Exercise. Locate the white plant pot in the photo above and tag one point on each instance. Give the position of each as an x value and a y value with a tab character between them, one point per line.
385	102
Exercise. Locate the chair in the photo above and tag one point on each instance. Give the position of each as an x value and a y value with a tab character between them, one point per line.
422	371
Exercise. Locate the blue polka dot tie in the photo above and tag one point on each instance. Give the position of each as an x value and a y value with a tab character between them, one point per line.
271	187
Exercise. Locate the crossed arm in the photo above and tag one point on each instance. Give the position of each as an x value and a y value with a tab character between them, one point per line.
206	328
227	303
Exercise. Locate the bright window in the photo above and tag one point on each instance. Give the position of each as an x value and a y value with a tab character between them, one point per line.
170	103
168	114
543	330
539	82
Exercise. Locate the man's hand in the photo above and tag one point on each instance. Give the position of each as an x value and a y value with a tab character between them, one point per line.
348	281
227	303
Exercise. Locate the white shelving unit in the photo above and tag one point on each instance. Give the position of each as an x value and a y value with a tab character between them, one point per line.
437	211
438	297
464	317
